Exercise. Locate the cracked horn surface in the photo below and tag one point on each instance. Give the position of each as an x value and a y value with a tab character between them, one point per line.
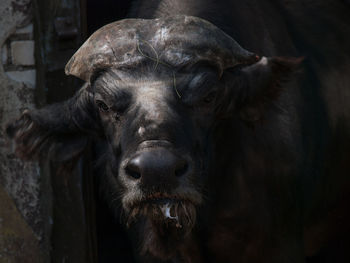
175	41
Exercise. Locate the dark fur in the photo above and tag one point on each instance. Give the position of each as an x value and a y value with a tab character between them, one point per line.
262	152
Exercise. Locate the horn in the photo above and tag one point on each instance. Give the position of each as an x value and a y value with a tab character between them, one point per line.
174	41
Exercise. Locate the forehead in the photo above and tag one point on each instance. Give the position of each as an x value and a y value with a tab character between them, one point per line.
157	82
141	85
133	80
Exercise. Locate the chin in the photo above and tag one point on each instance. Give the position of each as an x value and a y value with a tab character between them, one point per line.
163	223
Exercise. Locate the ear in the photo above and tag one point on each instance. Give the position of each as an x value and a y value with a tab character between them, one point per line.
257	86
60	129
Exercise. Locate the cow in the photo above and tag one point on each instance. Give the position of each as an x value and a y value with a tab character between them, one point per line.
210	152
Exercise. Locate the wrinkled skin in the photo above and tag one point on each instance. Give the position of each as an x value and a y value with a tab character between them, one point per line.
234	160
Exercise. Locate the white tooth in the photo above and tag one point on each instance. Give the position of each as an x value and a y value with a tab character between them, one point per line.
166	211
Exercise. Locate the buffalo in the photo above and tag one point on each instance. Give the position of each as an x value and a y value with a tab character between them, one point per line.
207	151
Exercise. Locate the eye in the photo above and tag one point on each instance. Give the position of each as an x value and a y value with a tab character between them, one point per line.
102	106
210	97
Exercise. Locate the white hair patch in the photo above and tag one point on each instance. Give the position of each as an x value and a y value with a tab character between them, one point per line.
263	61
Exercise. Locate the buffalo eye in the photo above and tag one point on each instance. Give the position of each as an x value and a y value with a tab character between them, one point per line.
102	106
210	97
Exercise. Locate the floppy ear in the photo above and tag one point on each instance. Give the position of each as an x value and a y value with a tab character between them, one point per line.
60	129
257	86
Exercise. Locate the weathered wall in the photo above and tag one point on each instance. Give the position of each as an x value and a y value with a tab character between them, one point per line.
21	220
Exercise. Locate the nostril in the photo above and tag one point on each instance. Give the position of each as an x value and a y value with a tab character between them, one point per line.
133	170
181	169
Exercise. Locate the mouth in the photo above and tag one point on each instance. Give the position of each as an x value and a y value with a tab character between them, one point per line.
162	199
166	211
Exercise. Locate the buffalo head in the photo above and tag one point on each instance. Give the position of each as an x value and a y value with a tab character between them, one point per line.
156	91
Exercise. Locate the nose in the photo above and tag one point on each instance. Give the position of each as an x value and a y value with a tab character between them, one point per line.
157	166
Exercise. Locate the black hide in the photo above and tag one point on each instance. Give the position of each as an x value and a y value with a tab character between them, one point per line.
245	162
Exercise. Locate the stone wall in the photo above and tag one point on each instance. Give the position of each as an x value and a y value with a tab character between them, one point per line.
18	56
21	221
